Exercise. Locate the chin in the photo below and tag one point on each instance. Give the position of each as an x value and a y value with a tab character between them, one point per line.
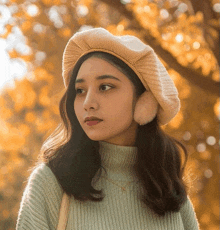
95	137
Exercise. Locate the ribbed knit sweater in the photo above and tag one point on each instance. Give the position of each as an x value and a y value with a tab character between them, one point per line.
119	210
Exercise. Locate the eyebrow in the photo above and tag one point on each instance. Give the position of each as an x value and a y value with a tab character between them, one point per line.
79	80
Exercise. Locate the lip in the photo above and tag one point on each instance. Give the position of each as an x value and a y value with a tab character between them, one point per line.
93	122
92	118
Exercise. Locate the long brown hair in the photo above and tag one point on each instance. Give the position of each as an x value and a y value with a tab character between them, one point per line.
74	158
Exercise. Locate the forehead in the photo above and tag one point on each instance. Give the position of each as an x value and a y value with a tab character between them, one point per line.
95	66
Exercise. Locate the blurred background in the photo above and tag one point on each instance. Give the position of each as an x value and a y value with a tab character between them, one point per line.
33	35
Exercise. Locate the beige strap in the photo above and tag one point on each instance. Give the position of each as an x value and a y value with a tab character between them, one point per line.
64	210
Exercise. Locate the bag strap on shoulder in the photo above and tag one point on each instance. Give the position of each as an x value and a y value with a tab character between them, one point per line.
63	214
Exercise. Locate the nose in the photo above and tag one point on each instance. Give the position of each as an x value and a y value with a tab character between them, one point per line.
90	101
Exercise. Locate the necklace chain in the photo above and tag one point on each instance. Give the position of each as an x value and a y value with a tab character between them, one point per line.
122	187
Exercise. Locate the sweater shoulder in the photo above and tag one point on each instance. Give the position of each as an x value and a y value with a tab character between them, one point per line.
188	215
42	171
40	201
43	177
42	185
187	206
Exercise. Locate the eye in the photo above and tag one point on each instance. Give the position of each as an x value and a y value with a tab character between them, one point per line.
78	91
103	87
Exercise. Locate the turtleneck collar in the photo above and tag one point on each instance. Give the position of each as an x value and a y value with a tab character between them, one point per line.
117	159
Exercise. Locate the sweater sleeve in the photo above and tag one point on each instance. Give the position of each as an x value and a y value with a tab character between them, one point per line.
40	203
188	215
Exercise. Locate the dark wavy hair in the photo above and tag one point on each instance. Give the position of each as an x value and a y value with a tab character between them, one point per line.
74	158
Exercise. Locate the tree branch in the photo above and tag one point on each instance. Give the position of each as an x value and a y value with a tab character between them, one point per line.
205	7
204	82
191	75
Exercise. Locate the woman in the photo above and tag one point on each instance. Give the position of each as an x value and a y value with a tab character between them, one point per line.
117	95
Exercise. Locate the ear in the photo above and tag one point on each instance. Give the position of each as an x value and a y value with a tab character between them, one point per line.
146	108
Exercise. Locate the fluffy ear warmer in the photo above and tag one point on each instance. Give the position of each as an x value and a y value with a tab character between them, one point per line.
161	96
146	104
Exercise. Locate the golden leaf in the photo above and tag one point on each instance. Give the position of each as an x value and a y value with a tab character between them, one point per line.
23	95
8	28
26	25
40	73
199	16
12	142
51	2
49	65
206	69
65	32
215	76
217	108
213	32
5	113
54	109
185	92
190	57
28	58
30	117
24	130
41	126
46	114
13	54
205	155
19	14
43	96
176	121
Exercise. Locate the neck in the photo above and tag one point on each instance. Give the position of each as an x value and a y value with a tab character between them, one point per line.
118	159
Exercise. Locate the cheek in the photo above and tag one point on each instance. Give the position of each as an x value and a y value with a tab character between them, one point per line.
77	109
122	110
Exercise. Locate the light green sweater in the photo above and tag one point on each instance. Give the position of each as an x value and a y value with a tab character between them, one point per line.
119	210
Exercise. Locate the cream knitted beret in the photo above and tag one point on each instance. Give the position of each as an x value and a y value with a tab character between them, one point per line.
161	96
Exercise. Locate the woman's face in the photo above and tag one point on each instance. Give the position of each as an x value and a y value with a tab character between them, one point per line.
105	92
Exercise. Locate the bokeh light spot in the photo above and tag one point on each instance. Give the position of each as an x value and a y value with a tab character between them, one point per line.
38	28
23	49
211	140
186	136
179	37
147	9
164	14
82	11
182	7
201	147
40	56
5	14
55	17
63	9
32	10
125	1
196	45
216	7
120	28
13	8
208	173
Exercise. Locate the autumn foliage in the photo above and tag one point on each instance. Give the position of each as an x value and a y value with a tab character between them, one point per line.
183	33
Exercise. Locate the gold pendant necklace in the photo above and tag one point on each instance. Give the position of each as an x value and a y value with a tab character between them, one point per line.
113	182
